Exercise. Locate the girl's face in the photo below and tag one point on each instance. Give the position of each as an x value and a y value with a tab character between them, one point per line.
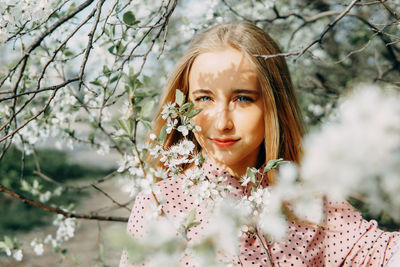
224	84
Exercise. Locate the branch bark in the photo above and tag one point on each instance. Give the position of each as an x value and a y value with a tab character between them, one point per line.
60	211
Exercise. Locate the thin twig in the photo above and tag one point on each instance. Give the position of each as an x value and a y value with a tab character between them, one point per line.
113	207
300	52
269	259
110	198
18	31
90	43
390	10
76	187
353	52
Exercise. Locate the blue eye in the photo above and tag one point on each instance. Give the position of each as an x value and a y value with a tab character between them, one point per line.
244	99
203	98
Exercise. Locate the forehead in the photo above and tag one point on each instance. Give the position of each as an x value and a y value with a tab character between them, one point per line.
224	65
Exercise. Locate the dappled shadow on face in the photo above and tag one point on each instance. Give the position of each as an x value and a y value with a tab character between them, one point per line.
218	82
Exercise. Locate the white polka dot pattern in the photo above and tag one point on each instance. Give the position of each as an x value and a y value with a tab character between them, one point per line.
345	239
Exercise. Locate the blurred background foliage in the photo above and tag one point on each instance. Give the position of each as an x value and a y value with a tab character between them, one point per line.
18	217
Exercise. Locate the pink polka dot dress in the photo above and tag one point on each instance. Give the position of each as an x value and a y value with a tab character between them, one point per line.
345	239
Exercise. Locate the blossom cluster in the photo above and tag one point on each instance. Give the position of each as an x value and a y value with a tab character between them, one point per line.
177	155
36	190
171	112
65	231
14	14
202	187
37	246
11	248
357	151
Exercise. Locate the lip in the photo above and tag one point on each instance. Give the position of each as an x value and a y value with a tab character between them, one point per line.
227	142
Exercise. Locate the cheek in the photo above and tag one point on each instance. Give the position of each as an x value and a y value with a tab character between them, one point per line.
202	120
251	122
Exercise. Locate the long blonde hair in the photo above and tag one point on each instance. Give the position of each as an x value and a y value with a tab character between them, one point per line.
283	123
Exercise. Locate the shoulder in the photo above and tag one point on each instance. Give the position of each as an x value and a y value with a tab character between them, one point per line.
362	240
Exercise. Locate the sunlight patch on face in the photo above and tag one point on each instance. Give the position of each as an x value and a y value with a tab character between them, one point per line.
224	85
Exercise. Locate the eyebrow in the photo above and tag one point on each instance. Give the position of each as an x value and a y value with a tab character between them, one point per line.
236	91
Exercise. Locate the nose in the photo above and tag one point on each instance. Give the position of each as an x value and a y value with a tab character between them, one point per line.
224	120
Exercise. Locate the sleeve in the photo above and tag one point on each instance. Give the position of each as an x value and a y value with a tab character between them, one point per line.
136	224
355	241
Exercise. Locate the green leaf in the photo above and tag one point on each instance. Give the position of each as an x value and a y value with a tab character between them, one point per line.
113	79
179	97
141	93
192	224
137	109
121	49
201	159
123	125
67	53
111	49
106	70
252	174
129	18
193	113
253	190
3	245
96	82
8	242
187	106
185	21
191	216
272	164
127	125
163	134
143	153
91	138
132	79
147	124
147	108
124	36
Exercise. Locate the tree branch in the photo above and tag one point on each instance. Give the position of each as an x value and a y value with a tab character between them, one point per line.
90	43
50	88
390	10
60	211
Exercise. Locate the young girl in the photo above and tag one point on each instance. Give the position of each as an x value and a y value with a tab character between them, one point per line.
249	116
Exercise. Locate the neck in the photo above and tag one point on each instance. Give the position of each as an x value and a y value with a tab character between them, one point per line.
237	170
